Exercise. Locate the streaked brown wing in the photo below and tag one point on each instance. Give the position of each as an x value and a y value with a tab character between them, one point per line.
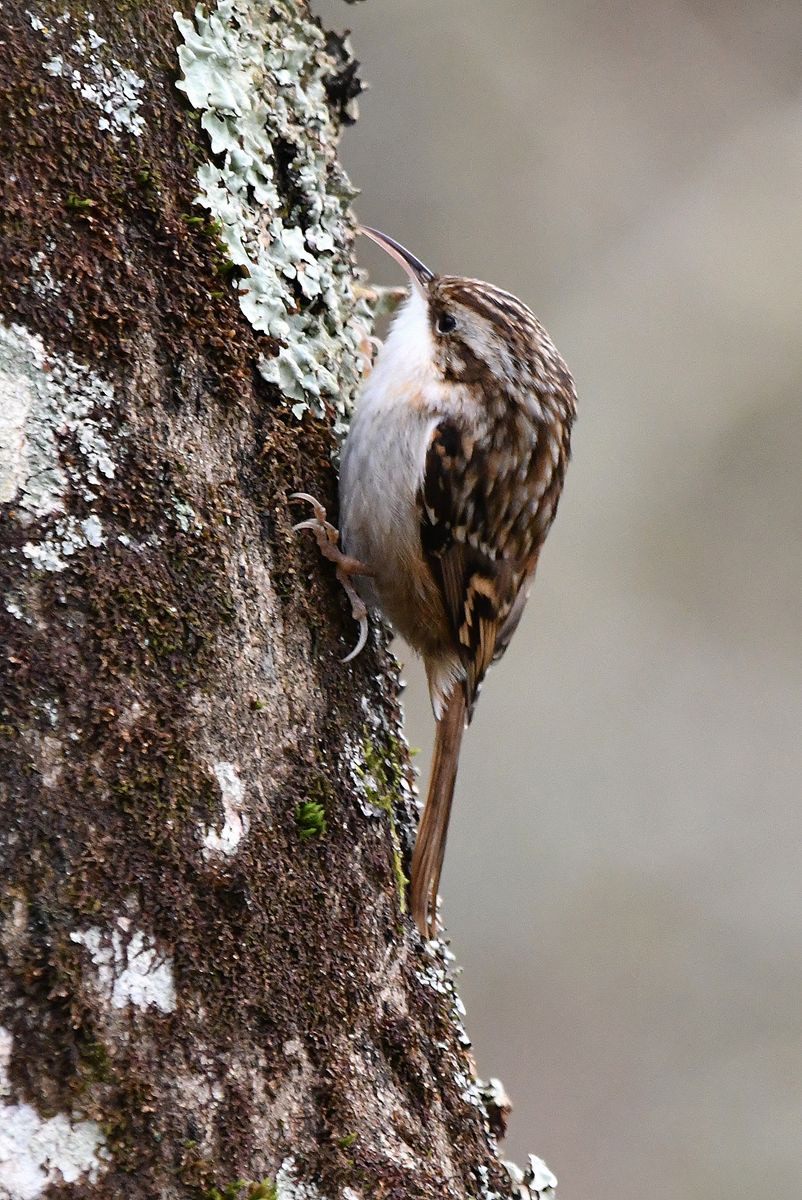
462	526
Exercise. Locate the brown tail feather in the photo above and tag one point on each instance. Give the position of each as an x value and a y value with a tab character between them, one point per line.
430	847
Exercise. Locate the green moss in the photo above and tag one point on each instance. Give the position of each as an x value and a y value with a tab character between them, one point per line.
74	201
96	1065
244	1189
121	1142
166	615
382	777
310	817
221	263
159	621
225	268
263	1191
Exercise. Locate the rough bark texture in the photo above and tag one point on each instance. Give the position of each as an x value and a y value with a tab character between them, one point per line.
207	972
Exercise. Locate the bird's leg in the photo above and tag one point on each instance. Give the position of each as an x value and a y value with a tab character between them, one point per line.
327	536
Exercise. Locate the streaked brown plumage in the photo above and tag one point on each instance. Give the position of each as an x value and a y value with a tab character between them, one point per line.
450	480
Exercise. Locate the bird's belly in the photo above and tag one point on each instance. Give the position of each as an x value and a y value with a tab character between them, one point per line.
381	472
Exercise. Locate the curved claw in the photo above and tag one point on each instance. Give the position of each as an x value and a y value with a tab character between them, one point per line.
318	523
363	637
305	496
327	538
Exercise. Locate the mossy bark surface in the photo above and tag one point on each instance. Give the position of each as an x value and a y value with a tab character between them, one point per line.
204	979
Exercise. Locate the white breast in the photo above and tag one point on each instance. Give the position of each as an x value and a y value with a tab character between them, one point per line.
385	451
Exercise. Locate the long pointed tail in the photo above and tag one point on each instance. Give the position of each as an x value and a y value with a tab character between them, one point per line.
430	847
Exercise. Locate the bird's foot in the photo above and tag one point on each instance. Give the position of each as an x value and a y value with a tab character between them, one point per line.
382	302
369	347
327	537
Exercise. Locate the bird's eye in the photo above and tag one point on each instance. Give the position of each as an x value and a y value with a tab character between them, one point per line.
446	323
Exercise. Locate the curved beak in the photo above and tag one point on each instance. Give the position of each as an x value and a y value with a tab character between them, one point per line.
418	273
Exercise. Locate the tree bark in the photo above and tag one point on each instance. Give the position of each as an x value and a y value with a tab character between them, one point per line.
210	987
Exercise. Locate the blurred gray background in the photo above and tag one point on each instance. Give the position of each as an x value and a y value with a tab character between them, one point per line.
624	880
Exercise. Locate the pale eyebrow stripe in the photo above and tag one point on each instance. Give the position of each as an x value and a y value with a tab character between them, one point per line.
490	301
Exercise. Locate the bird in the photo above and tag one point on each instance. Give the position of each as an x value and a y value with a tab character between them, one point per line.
450	477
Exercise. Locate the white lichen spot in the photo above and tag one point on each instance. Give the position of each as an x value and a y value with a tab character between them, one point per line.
185	516
92	531
15	610
68	535
468	1089
129	969
43	402
437	974
536	1182
483	1179
45	405
43	284
236	823
288	1186
493	1092
257	76
21	361
36	1152
100	79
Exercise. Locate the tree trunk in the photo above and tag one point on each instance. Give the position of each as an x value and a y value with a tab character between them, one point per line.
210	986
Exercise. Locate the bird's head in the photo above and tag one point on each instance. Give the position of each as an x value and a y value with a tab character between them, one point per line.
473	333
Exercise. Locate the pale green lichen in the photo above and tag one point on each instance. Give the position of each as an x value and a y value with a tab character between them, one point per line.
256	74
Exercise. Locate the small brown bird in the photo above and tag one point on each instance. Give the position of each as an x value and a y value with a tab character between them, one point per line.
450	479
